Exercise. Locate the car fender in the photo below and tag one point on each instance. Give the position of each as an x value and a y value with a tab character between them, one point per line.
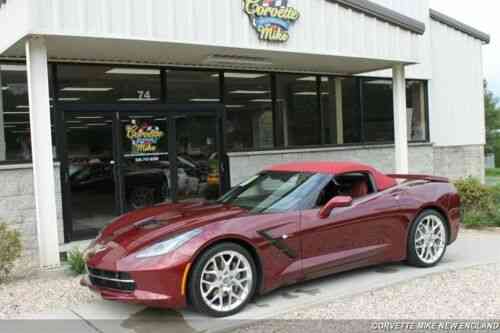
203	243
198	245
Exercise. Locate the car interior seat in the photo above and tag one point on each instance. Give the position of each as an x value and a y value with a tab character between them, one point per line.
359	189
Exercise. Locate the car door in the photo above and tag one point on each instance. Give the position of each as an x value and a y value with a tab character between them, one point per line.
370	231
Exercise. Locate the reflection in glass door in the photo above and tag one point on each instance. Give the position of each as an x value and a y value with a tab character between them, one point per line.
117	162
197	143
145	165
90	172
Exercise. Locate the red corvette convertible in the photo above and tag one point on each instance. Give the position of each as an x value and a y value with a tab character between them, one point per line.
289	223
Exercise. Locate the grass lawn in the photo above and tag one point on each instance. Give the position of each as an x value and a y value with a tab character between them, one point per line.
493	177
493	172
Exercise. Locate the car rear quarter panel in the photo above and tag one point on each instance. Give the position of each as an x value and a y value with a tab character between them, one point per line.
442	197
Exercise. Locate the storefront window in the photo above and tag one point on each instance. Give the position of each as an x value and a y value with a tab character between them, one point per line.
192	87
341	114
297	105
108	84
249	111
378	110
417	110
15	140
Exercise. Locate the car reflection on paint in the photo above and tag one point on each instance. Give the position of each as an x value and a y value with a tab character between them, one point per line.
289	223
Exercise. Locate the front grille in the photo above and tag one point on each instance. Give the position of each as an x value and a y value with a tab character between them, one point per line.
112	280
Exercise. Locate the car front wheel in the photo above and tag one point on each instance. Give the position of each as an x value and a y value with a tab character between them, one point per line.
223	280
428	239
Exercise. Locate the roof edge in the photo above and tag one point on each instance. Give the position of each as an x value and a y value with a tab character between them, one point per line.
384	14
462	27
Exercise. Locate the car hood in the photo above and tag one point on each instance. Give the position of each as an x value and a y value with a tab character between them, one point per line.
138	229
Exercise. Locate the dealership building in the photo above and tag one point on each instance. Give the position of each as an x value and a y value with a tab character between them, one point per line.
110	106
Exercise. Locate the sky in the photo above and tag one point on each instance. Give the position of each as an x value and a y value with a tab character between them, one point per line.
483	15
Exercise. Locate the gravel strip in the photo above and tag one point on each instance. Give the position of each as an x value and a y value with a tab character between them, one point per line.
473	293
29	291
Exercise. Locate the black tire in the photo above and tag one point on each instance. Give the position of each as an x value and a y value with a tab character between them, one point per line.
194	290
142	197
413	257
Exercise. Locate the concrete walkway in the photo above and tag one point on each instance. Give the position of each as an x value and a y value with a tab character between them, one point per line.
473	248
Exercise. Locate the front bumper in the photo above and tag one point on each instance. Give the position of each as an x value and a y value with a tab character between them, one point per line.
156	282
135	297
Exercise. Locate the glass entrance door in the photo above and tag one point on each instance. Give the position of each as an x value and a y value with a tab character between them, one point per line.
121	161
144	164
90	171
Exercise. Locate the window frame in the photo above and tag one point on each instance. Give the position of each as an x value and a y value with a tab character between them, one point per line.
17	162
277	140
277	125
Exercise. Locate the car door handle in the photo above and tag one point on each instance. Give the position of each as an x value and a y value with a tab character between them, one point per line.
396	195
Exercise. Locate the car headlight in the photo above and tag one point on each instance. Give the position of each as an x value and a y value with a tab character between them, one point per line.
168	245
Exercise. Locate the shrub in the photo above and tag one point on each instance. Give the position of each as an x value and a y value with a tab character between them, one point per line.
480	203
475	219
10	249
475	196
76	261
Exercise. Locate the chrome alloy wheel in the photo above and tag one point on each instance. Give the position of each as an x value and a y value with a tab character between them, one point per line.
226	281
430	239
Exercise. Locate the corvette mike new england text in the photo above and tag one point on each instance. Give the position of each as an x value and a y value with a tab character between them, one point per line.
433	325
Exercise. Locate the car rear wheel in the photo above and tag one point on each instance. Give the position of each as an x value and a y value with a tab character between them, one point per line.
223	280
428	239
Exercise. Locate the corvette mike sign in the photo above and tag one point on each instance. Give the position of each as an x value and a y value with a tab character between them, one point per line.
271	18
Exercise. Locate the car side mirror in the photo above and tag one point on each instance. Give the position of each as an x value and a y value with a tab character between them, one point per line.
336	202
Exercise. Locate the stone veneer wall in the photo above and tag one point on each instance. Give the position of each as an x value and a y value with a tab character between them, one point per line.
460	161
421	157
17	204
452	162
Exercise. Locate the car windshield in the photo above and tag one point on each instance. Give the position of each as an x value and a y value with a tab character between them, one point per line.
272	192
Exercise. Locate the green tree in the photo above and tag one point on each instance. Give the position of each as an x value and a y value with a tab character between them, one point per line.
492	121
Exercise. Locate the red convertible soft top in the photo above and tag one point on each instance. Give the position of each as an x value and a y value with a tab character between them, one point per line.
382	181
